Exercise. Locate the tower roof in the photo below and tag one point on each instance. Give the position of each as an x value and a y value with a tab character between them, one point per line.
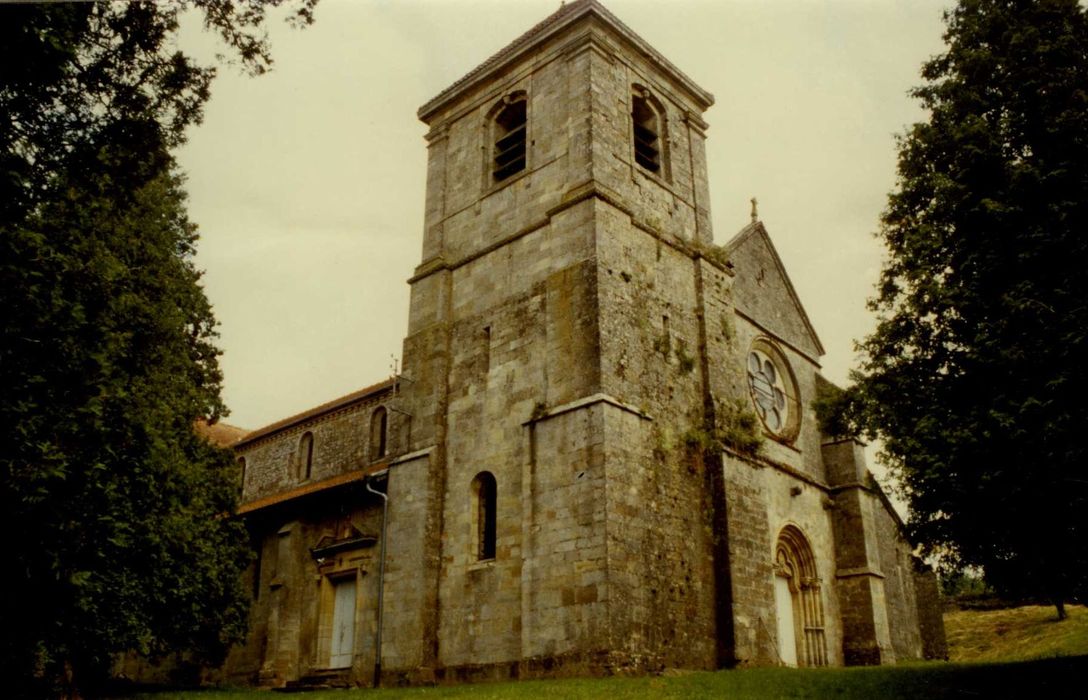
553	24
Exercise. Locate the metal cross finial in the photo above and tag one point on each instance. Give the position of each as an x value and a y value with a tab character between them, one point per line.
755	210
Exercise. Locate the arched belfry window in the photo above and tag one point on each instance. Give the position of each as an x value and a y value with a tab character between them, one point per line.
509	122
484	502
648	130
798	602
379	424
306	455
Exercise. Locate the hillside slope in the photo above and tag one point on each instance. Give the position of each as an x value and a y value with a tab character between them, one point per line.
1015	634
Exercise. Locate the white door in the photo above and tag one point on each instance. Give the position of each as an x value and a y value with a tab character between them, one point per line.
787	638
343	625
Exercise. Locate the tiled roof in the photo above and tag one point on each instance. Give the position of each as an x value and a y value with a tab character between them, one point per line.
503	54
220	434
317	411
538	32
311	488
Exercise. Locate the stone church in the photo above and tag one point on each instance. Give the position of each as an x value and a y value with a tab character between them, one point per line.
601	454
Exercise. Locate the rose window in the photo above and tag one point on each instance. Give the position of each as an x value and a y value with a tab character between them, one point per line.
768	387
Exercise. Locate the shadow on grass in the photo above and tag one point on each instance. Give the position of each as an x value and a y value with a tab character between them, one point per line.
1043	679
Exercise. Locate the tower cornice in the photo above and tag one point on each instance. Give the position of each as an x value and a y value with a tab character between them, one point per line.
556	23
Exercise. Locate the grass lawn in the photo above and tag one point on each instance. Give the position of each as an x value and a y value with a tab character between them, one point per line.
1045	678
1016	634
995	654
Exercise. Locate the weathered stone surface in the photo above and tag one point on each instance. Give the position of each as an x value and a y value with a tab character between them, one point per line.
575	334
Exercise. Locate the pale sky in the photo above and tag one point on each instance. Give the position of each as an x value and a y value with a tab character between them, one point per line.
308	183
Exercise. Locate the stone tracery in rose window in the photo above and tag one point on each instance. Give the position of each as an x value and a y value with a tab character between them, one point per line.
773	394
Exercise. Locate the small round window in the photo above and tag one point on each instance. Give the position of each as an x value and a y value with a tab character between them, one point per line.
773	392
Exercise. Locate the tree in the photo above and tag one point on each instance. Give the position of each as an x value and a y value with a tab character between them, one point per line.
116	512
975	378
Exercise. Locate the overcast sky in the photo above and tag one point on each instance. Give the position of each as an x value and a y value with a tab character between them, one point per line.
308	183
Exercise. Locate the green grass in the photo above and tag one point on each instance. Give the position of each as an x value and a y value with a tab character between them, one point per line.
1016	634
995	654
1051	678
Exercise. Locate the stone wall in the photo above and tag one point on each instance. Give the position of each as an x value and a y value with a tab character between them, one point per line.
897	565
751	547
274	462
535	265
930	613
766	308
407	608
291	610
574	334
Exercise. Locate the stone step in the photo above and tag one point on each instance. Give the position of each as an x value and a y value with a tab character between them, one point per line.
324	679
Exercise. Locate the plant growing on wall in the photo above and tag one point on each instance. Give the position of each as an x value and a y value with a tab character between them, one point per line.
736	427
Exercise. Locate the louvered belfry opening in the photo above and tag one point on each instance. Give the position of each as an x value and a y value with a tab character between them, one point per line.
647	131
510	140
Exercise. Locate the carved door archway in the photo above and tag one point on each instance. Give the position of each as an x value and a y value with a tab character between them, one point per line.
801	638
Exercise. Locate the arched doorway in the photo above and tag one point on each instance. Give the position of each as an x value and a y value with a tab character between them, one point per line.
798	601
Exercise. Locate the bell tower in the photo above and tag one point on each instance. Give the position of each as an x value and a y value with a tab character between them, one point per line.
564	320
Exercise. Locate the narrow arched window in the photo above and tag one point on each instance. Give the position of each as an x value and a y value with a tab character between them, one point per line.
379	421
306	456
242	474
508	132
484	497
647	129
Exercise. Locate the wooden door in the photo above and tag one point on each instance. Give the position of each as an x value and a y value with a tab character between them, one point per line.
342	648
787	635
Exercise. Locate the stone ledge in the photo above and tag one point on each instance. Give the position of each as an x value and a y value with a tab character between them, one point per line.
411	456
584	403
352	477
859	571
778	338
759	461
574	196
850	486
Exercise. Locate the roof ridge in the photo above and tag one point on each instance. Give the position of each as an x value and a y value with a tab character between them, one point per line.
565	11
505	51
757	227
318	410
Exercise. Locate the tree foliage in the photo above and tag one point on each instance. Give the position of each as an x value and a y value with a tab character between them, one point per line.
975	378
116	513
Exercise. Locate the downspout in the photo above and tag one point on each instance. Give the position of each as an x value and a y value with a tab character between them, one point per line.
381	582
